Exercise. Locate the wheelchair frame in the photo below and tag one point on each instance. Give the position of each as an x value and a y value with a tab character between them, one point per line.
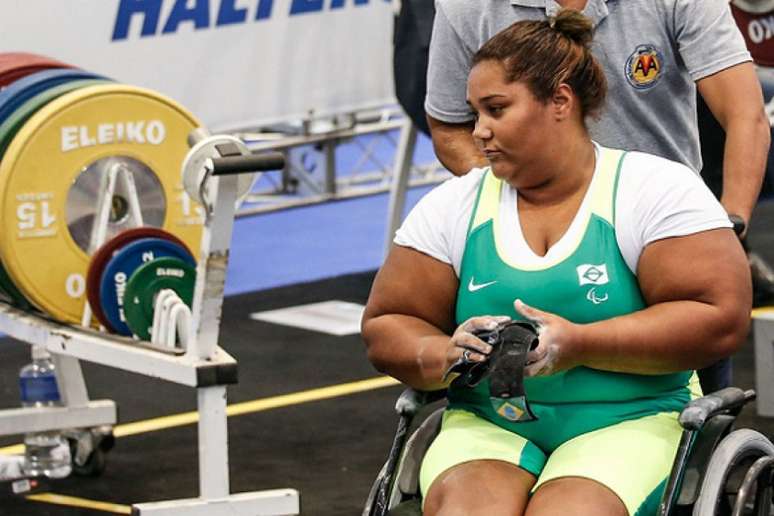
712	460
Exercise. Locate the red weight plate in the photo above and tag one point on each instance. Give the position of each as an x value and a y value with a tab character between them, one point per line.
15	65
103	255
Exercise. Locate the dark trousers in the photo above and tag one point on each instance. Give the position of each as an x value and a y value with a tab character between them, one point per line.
411	41
718	375
715	377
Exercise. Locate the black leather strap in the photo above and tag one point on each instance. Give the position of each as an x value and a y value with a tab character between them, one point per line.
511	342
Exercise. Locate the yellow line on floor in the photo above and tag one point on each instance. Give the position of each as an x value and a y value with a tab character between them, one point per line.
258	405
83	503
247	407
188	418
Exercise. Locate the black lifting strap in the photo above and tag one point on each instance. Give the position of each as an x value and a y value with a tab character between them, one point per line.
506	378
510	341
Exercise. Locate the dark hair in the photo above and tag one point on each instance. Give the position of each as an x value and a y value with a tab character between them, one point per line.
545	54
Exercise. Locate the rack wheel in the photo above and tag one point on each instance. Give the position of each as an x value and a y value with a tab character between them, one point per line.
93	467
88	449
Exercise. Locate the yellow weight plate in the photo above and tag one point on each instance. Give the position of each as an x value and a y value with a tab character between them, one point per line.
50	176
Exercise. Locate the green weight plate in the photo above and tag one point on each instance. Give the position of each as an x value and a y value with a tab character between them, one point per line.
146	282
8	129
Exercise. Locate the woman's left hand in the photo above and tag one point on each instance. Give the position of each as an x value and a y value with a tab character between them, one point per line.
556	337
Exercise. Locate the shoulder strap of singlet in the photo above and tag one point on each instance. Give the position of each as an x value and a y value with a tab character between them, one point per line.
602	200
605	186
487	201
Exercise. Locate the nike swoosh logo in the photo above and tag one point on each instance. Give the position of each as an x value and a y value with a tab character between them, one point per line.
472	287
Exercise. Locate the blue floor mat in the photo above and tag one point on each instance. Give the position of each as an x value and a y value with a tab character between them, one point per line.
310	243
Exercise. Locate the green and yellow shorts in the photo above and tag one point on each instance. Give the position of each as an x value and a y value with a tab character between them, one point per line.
633	458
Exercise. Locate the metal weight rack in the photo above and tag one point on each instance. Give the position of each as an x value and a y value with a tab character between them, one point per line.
202	364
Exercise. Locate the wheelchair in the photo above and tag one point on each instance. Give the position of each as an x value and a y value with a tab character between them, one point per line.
717	470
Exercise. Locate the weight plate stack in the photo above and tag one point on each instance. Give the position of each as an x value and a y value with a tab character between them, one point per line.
11	124
15	65
101	257
24	89
18	102
120	268
49	183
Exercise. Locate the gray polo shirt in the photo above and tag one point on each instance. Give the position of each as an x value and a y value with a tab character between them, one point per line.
652	52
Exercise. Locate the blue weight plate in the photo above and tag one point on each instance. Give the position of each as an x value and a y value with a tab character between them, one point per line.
121	267
19	92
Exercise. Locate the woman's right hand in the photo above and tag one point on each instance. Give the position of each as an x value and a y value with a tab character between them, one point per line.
464	342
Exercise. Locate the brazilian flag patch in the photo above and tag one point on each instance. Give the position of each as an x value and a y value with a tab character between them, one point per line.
509	411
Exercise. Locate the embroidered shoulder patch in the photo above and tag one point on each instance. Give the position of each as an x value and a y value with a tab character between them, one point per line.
644	67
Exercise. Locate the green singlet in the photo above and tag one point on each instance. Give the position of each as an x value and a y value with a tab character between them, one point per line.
589	283
593	283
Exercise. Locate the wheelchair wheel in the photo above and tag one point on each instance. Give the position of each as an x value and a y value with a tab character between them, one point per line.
726	469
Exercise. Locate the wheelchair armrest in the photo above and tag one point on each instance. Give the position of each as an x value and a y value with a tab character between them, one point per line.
407	477
705	422
696	413
704	444
411	400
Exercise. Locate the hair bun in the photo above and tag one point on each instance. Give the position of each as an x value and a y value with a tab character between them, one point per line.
574	25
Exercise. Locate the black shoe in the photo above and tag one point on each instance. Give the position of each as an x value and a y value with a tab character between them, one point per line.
762	280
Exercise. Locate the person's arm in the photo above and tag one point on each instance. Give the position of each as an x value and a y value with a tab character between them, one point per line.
455	147
734	96
448	114
409	326
698	293
409	317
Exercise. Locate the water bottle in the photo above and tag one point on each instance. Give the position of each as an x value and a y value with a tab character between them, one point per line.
45	453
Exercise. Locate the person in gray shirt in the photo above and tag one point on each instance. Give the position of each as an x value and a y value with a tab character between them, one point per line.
655	54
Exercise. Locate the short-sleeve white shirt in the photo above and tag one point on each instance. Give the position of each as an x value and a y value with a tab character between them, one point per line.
656	199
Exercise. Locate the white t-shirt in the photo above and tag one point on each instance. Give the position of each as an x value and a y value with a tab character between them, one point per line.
656	199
